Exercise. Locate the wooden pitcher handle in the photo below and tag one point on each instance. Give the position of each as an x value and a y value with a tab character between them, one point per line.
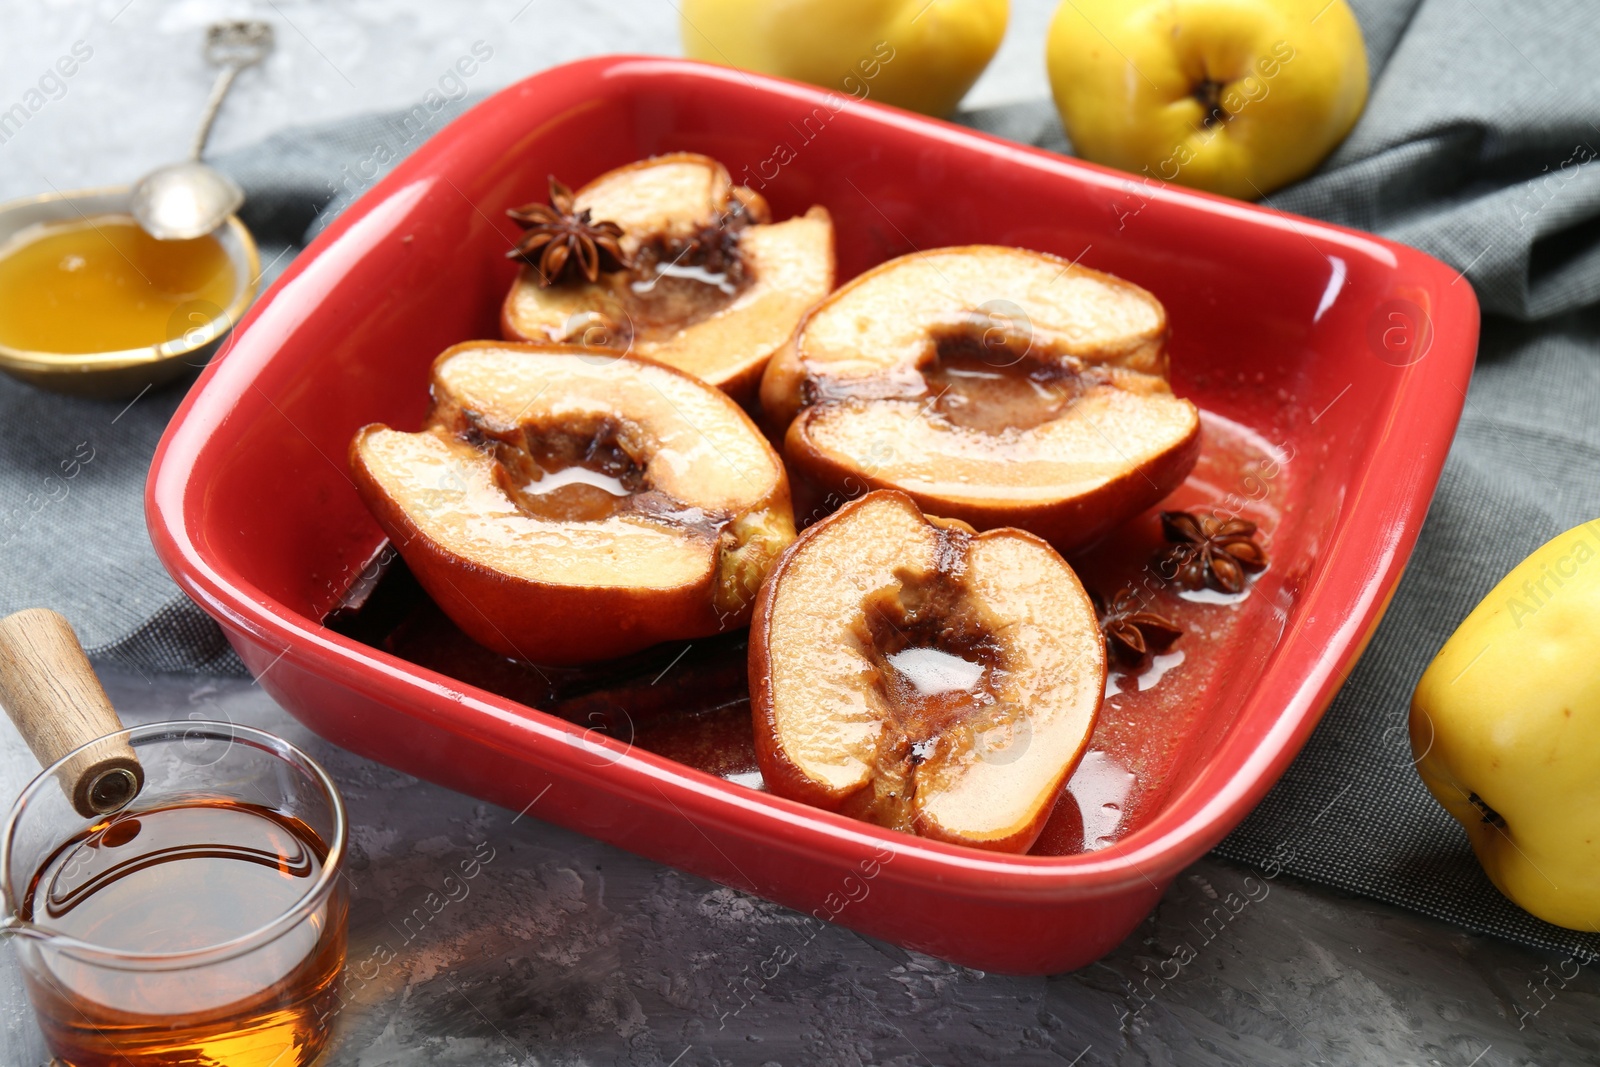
51	693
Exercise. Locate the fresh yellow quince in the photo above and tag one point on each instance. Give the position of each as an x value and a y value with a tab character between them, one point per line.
1233	96
1505	728
917	54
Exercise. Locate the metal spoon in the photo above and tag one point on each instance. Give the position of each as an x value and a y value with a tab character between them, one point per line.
189	199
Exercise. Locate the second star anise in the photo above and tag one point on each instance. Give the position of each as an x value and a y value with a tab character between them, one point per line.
714	247
1133	633
561	244
1207	551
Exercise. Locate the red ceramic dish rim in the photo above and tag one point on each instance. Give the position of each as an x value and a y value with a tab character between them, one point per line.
1333	619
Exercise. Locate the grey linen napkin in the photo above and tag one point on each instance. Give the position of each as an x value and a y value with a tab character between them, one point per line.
1476	147
1479	146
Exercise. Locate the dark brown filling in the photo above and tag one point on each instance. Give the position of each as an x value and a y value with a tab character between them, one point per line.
582	470
579	473
993	387
675	282
939	668
665	296
983	374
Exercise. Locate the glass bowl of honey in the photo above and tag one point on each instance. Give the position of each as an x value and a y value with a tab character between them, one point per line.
202	923
91	304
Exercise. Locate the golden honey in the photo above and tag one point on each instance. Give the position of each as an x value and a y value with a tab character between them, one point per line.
184	877
101	284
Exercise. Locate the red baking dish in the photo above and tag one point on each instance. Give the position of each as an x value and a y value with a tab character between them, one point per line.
1350	352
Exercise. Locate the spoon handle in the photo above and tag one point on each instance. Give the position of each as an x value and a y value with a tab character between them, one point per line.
232	46
51	693
219	90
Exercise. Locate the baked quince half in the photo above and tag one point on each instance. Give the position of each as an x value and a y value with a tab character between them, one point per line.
916	674
994	385
698	277
563	507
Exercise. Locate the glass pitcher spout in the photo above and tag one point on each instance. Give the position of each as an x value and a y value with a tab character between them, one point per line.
11	926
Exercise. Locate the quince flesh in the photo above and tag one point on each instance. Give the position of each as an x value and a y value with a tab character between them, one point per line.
911	672
1047	410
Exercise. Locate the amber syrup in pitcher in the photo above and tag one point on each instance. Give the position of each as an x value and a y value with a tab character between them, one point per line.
175	879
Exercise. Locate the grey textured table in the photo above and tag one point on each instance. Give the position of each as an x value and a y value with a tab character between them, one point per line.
568	951
572	952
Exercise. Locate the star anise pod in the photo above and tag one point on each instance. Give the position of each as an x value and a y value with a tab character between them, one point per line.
1207	551
1133	633
562	244
715	248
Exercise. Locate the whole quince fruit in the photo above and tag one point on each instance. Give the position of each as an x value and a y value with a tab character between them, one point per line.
1232	96
918	54
1505	728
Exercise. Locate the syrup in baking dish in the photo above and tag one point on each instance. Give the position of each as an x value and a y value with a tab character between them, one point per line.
690	701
